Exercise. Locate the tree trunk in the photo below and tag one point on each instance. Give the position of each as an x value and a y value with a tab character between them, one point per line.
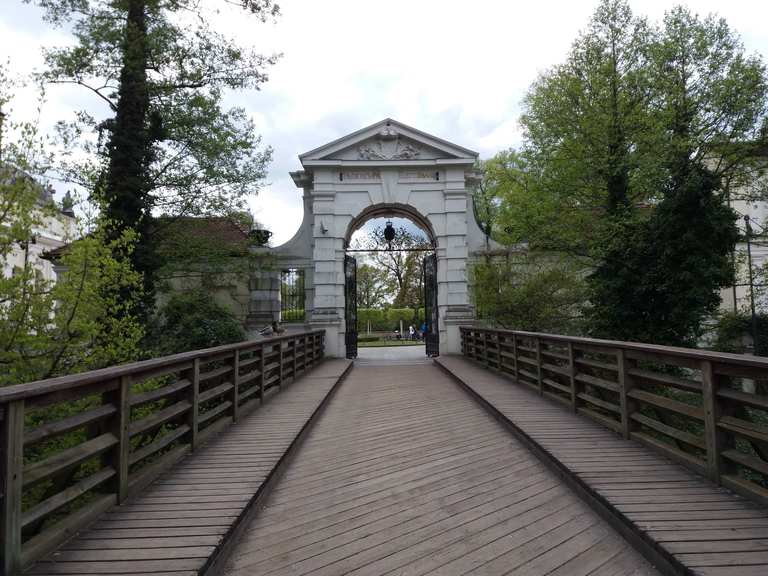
125	195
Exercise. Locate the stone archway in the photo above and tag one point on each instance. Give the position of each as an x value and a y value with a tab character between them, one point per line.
386	168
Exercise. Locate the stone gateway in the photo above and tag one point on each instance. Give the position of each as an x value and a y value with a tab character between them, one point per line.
388	170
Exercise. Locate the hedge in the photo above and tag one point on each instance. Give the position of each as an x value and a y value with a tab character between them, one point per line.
387	319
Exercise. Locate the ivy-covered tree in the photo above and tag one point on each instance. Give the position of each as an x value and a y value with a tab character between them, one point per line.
166	144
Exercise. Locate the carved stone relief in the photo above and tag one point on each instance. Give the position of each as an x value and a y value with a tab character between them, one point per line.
388	146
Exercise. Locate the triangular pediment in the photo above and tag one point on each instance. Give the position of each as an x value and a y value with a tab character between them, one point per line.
388	140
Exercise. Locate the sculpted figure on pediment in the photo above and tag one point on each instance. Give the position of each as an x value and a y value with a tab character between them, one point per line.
396	150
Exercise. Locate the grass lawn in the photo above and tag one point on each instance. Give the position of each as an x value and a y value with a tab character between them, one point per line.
380	343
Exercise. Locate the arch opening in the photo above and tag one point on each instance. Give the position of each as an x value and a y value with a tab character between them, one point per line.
390	282
389	211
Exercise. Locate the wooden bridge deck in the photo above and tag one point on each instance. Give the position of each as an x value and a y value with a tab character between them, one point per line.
404	474
178	524
691	522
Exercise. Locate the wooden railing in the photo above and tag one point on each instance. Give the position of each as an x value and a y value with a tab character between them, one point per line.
76	445
706	410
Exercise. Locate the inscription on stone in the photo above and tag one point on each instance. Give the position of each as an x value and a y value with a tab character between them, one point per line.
362	175
423	174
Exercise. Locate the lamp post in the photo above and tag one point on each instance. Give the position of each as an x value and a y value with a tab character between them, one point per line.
748	230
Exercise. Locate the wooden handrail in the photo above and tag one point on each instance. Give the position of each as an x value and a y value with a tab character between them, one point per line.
73	446
699	407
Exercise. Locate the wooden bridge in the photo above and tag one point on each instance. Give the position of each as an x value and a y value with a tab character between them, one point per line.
532	454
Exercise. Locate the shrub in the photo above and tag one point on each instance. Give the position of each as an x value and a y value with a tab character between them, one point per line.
193	320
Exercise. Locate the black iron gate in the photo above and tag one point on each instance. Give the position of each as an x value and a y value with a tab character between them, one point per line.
432	333
350	299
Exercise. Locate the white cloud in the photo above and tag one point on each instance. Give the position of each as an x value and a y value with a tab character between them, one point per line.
456	69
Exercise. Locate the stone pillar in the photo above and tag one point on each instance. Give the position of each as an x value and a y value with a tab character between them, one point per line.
264	304
453	288
328	258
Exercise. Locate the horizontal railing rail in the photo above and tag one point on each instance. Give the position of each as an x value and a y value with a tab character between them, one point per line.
72	447
706	410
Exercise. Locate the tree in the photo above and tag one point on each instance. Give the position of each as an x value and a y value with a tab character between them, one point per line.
632	149
402	264
170	146
659	279
46	328
372	287
585	128
535	291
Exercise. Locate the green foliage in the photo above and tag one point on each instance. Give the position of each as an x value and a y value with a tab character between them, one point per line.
193	320
372	286
388	319
171	146
530	291
400	269
632	147
661	277
734	332
79	322
586	126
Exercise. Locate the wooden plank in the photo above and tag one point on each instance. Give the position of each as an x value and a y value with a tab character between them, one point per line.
159	393
53	429
215	392
158	418
595	381
236	386
117	458
57	501
67	459
159	444
667	404
680	435
744	428
713	437
11	483
47	541
194	404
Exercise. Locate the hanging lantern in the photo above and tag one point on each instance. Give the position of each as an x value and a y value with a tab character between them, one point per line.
389	233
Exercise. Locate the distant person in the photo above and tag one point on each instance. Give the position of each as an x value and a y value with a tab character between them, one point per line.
412	332
423	330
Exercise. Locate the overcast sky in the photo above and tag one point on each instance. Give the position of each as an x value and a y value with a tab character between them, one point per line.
454	69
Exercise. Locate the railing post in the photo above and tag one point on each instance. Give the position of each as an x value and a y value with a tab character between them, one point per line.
625	385
712	436
120	454
538	366
279	345
236	386
11	485
262	376
295	357
572	377
194	400
514	353
485	348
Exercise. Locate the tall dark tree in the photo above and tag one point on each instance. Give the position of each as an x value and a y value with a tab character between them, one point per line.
166	146
125	192
660	277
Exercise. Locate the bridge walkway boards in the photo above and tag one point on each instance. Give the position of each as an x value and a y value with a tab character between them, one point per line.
404	474
699	527
175	527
